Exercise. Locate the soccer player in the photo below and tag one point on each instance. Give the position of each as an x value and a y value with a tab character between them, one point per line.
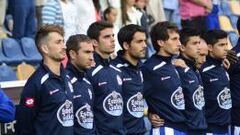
132	39
192	82
106	80
162	84
80	55
46	106
216	84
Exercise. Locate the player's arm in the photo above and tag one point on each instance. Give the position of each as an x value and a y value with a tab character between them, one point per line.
27	110
7	108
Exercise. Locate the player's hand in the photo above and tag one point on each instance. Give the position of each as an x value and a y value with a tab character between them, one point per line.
180	63
155	120
232	57
226	64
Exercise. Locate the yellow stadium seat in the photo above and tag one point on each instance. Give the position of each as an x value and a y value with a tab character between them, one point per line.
235	6
24	71
225	23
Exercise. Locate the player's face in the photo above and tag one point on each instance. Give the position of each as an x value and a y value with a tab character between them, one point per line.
219	49
137	47
106	42
84	56
55	48
203	52
191	49
171	46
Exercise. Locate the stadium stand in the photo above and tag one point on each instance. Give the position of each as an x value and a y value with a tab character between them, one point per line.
30	51
7	73
24	71
233	37
12	51
225	23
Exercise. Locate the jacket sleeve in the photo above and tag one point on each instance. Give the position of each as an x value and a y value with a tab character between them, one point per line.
27	110
7	108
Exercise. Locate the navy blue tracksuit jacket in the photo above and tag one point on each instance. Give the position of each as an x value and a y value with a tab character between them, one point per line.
217	95
46	105
194	97
83	102
234	73
163	91
108	103
132	95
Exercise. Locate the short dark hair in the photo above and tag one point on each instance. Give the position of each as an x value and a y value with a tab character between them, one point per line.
212	36
107	11
160	32
95	28
127	32
44	31
74	41
188	32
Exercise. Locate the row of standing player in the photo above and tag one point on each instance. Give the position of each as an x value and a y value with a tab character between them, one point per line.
108	98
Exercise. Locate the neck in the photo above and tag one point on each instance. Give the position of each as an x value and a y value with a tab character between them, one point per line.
211	55
53	66
81	70
130	59
163	53
103	55
186	57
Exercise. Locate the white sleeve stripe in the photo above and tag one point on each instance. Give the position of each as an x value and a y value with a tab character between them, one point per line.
115	68
208	68
186	69
74	79
44	78
86	80
97	69
238	55
159	65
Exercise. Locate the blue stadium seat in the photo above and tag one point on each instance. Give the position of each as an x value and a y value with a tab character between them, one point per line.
7	73
3	58
233	18
233	37
30	50
225	8
12	51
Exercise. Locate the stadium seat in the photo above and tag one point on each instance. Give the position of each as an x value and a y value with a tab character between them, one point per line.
30	50
235	7
3	58
233	19
225	23
7	73
224	8
12	51
24	71
233	37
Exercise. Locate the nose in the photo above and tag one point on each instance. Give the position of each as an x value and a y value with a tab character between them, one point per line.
144	44
63	45
91	58
179	43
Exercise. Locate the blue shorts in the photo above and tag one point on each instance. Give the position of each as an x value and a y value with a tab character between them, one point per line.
166	131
